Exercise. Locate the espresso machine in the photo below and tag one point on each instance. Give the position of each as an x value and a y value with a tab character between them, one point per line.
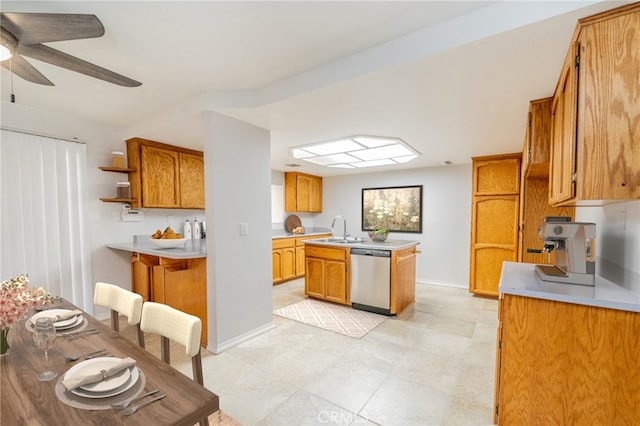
573	243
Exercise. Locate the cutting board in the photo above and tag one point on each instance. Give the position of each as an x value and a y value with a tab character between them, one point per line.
292	222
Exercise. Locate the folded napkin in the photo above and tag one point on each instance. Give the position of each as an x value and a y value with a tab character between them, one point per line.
75	382
67	315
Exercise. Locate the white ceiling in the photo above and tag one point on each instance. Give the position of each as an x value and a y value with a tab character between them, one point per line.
451	78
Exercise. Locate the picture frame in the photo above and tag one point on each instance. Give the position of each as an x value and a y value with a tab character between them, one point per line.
394	208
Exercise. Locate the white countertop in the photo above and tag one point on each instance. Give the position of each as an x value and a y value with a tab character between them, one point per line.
368	244
193	249
521	279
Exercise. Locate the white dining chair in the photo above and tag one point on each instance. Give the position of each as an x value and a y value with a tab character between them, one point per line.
120	301
172	324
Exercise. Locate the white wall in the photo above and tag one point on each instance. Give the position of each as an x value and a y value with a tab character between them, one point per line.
446	216
104	225
238	177
617	241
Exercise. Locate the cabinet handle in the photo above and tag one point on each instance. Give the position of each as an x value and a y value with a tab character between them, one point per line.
403	258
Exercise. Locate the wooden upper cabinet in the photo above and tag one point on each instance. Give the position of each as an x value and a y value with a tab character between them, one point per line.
499	174
535	159
191	181
563	135
595	153
165	176
302	192
534	190
160	177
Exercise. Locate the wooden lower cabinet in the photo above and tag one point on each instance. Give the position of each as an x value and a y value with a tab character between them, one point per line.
327	274
283	260
179	283
566	364
288	260
141	270
403	278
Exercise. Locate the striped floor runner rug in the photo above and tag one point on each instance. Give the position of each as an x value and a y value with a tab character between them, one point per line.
330	316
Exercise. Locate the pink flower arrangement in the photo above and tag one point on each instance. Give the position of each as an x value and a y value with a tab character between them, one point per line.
17	298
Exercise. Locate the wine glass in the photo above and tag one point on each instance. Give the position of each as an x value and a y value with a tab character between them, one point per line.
44	333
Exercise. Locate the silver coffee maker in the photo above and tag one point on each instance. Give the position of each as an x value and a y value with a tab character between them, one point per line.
573	243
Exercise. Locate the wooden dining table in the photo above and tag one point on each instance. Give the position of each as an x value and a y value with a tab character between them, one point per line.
26	401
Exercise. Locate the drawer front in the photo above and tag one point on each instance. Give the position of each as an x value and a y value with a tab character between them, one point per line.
283	243
327	252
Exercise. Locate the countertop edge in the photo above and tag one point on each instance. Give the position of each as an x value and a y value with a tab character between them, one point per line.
172	253
386	245
520	279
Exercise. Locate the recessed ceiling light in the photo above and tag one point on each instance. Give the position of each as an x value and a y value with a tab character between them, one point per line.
356	152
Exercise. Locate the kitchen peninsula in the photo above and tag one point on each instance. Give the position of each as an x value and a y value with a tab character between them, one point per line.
174	276
331	272
566	353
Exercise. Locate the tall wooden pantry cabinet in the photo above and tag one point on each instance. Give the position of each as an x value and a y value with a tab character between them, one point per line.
494	219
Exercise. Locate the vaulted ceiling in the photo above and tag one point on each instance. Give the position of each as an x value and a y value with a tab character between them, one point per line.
451	78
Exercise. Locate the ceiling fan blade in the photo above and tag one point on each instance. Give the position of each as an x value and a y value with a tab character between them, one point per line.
63	60
33	28
20	67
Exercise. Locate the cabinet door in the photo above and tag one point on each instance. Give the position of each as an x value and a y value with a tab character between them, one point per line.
494	239
300	261
141	267
315	195
191	181
403	279
563	133
276	265
160	177
314	278
336	281
609	110
309	194
288	263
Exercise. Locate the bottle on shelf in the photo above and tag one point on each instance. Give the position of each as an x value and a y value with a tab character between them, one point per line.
197	234
186	232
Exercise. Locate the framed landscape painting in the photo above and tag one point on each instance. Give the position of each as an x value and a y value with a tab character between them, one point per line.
395	209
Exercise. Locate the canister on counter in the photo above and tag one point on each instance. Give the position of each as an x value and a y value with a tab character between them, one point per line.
123	190
117	159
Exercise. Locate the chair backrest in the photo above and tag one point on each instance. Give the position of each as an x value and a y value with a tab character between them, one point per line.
173	324
183	328
120	300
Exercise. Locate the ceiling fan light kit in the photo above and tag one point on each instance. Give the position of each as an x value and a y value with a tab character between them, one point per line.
22	35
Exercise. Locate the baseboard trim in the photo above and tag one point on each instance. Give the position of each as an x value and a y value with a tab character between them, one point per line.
443	284
216	349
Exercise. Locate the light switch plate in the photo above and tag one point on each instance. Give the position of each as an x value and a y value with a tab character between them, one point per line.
244	229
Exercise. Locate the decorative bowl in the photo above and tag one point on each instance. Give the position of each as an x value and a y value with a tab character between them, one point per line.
379	235
167	243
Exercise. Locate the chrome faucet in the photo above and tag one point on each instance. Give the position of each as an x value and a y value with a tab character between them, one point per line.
344	232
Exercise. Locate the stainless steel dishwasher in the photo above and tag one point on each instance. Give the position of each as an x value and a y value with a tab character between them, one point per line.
371	280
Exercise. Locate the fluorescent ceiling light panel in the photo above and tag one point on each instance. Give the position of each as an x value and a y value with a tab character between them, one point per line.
371	142
404	159
384	162
301	153
356	151
388	151
326	160
335	147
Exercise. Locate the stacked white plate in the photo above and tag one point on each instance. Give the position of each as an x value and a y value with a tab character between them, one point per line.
111	386
59	325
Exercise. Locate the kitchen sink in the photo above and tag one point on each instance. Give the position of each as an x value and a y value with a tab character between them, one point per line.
338	240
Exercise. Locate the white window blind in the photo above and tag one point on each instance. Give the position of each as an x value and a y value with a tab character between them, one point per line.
43	230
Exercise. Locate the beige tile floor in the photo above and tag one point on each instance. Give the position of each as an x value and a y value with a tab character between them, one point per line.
431	365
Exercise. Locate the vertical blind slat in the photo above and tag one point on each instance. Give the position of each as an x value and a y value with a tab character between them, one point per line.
43	180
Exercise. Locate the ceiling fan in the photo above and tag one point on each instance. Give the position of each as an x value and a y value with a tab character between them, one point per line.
22	34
